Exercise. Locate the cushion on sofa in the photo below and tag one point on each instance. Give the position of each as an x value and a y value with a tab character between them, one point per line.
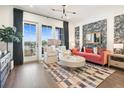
101	50
74	50
88	50
79	54
92	57
95	50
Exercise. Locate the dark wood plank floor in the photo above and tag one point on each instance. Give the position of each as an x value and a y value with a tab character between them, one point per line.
116	80
30	75
33	75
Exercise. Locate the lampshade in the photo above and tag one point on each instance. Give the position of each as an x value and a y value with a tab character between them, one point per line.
119	46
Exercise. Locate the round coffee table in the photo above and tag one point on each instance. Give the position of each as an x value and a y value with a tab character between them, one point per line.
72	61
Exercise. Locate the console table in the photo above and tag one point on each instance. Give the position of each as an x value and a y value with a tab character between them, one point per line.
116	60
5	66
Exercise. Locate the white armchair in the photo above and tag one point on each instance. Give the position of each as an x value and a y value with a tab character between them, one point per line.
63	52
50	55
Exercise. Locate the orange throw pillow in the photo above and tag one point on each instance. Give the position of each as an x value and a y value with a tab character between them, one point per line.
89	50
74	50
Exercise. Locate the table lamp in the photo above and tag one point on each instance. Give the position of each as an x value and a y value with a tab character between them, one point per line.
118	48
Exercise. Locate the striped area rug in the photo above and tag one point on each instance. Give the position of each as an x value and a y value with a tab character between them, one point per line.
89	76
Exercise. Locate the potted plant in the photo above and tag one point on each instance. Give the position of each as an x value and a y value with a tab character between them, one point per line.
9	34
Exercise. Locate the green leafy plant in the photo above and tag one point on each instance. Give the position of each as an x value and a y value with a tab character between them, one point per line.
44	42
9	34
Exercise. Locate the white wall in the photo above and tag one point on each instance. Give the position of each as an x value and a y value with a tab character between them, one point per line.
105	13
71	36
42	20
6	18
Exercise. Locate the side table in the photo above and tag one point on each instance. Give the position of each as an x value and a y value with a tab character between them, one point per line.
116	60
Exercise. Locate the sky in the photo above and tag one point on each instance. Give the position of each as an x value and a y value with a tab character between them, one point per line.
46	33
30	33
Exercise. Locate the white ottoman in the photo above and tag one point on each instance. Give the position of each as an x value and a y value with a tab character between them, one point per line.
72	61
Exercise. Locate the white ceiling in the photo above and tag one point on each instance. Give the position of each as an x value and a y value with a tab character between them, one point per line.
82	11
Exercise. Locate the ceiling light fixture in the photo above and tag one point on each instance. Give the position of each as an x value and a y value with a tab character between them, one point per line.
64	12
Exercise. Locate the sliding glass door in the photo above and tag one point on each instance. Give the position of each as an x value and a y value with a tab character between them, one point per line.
30	42
34	40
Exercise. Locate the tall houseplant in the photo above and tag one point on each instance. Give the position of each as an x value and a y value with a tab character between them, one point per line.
9	35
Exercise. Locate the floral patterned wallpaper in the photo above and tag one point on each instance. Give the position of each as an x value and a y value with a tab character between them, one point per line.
77	37
119	29
99	26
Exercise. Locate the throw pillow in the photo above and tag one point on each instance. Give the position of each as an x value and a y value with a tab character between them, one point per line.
95	50
89	50
101	50
74	50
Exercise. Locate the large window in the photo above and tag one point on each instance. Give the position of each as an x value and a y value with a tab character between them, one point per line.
46	34
60	35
